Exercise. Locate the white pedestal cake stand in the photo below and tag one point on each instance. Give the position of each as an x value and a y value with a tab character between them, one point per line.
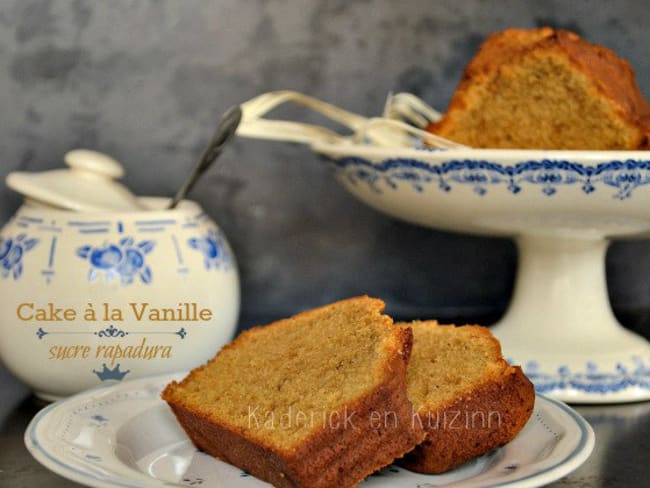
561	207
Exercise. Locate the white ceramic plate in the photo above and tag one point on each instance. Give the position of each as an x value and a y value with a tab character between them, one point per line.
126	436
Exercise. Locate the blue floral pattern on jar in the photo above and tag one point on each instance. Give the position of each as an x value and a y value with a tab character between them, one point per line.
125	261
216	253
12	250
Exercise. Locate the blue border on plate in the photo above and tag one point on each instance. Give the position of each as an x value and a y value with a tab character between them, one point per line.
30	435
586	433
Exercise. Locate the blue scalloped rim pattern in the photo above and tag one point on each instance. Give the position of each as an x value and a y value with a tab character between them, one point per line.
590	380
547	174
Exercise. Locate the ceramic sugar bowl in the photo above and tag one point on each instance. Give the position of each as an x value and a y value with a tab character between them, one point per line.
97	285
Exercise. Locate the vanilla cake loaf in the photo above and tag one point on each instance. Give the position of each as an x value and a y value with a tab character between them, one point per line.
466	396
546	89
316	400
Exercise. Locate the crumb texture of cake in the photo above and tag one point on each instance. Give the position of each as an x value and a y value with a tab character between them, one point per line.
467	397
546	89
316	400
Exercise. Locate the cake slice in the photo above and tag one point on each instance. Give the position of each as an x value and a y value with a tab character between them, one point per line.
546	89
316	400
466	396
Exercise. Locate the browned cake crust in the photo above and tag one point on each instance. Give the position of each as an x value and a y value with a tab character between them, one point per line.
609	79
338	455
488	405
489	417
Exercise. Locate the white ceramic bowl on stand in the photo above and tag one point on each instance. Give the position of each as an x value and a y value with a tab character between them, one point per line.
561	207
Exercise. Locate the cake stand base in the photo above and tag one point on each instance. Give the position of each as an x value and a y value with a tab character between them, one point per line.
560	327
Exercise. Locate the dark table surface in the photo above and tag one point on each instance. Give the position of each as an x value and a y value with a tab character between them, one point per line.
621	457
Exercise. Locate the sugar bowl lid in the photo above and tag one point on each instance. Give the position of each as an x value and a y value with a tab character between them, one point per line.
87	185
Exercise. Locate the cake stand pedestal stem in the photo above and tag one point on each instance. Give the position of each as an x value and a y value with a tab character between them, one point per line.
560	325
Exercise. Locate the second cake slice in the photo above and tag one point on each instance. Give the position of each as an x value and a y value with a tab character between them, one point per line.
317	400
467	397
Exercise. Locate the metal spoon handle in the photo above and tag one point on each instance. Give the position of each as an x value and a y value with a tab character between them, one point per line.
224	132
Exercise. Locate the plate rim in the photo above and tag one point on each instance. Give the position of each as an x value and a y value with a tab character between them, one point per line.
569	463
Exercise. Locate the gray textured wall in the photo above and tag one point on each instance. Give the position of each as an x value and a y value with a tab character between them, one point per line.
146	81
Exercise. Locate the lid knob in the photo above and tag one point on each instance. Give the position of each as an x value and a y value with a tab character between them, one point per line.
94	162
